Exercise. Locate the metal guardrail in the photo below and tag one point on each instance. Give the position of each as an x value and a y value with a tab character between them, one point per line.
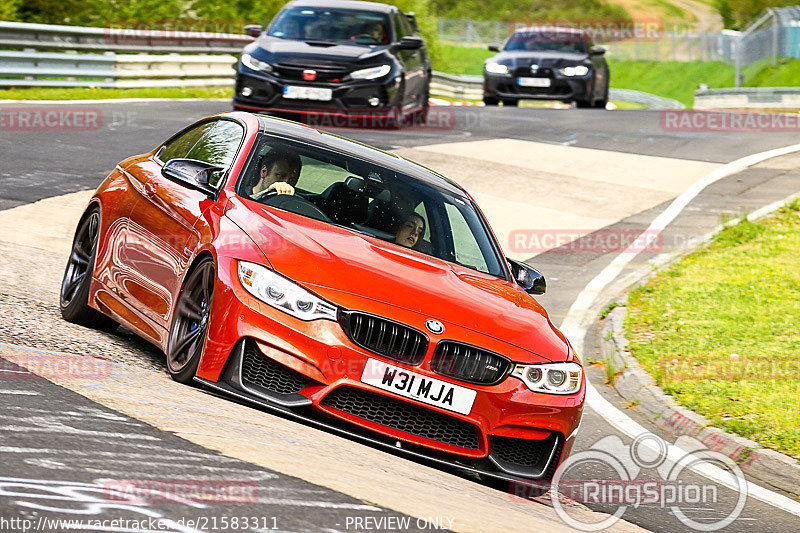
748	98
50	56
470	87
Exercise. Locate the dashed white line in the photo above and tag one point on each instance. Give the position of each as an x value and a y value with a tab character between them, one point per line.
580	315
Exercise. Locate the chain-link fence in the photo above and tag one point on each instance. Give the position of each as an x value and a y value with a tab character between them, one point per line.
774	35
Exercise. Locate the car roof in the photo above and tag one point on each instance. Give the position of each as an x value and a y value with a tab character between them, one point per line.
343	4
300	132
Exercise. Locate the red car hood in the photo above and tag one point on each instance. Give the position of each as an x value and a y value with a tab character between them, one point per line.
320	255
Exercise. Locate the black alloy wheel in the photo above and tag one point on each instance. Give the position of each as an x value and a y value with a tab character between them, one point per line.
74	295
190	322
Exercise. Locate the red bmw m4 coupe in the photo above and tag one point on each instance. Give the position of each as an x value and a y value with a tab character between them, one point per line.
300	271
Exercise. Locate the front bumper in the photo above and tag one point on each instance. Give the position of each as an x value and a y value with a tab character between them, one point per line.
505	86
269	356
266	94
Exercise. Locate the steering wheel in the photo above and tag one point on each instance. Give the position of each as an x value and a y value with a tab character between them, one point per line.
292	203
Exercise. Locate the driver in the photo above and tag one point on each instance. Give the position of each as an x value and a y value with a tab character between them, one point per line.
279	172
376	31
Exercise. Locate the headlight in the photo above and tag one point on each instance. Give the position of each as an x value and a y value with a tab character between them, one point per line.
277	291
496	68
371	73
254	64
550	378
579	70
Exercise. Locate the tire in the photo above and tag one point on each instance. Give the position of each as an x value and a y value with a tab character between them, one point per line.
510	103
583	103
601	104
490	100
74	294
187	334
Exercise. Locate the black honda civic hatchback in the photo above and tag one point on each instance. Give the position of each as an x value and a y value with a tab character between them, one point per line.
547	63
336	57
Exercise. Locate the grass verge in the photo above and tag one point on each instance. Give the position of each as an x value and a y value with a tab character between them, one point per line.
87	93
720	330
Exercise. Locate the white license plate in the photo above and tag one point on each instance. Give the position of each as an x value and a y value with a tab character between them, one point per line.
307	93
418	387
533	82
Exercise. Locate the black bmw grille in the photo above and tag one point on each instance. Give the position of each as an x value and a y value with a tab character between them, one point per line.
468	363
385	337
403	416
527	456
270	375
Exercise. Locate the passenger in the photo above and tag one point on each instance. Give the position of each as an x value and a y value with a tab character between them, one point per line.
279	172
411	231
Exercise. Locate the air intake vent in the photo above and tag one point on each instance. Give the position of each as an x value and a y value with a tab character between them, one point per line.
469	364
263	372
527	457
385	337
403	416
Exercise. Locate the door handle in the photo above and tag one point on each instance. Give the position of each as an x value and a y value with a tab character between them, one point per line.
150	189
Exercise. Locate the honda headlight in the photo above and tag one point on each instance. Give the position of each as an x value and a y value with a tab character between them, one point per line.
550	378
254	64
579	70
281	293
496	68
371	73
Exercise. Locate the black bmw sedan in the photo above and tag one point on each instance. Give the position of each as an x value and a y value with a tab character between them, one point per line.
547	63
336	57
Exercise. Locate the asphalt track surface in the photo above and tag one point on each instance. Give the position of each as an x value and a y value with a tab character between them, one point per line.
56	436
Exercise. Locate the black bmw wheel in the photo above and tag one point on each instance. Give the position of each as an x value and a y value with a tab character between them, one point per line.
74	295
490	100
188	333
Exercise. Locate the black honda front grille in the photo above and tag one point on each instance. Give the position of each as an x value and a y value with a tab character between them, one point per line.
403	416
468	363
536	458
263	372
385	337
328	74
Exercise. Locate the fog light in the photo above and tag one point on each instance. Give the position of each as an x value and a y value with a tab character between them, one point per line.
247	91
374	101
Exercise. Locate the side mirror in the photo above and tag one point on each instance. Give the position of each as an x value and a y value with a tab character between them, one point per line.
597	50
410	42
196	174
530	279
253	30
494	47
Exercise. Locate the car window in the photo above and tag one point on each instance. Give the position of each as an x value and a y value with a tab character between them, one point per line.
327	24
399	29
179	146
370	199
547	39
465	245
407	27
218	146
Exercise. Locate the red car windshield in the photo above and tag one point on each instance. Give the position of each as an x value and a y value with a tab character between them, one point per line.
331	25
367	198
